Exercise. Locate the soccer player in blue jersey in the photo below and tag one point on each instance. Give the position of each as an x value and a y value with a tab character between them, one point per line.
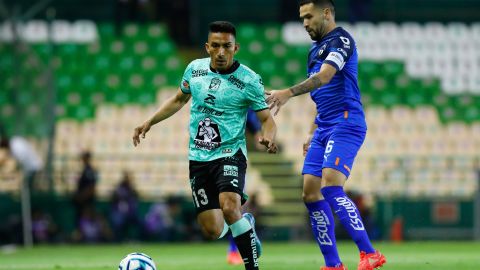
336	135
222	90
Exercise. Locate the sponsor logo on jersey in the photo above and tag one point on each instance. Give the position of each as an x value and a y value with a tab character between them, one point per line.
199	72
208	135
227	151
237	82
206	110
210	99
214	84
346	42
229	170
342	51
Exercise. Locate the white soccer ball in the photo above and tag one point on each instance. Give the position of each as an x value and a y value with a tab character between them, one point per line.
137	261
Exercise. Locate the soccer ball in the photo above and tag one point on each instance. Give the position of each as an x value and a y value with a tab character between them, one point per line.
137	261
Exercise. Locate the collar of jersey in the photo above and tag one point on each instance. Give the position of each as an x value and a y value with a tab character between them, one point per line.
232	68
331	33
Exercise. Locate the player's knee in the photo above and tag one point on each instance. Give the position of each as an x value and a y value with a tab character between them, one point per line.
231	212
211	232
332	177
311	196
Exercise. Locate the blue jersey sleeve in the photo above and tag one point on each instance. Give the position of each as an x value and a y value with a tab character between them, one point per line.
187	75
340	49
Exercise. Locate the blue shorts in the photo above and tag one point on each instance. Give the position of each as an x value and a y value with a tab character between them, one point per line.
335	148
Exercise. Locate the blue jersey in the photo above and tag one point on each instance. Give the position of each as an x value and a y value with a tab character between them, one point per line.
338	101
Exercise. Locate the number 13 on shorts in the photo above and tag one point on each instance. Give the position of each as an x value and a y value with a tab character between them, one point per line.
202	195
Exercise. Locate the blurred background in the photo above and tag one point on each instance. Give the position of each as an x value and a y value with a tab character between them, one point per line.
76	77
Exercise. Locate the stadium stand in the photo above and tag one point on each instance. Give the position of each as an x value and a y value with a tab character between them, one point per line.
419	84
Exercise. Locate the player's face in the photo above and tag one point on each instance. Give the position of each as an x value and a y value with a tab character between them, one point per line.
221	47
314	20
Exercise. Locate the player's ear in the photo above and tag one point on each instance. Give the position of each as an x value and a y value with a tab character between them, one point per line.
327	13
207	47
236	48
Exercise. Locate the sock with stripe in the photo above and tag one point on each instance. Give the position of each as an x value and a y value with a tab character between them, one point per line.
224	231
244	237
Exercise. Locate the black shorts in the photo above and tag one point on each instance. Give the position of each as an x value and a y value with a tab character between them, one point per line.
209	179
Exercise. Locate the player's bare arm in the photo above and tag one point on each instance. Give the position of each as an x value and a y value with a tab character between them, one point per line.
278	98
167	109
269	130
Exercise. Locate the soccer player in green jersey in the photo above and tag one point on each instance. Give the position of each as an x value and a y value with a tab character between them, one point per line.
222	90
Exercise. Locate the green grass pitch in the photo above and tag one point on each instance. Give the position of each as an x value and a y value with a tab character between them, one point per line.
211	256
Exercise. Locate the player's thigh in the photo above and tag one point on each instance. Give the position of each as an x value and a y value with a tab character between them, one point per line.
313	162
340	152
230	177
311	188
202	183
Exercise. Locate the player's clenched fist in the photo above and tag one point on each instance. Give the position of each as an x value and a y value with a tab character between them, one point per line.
269	143
140	131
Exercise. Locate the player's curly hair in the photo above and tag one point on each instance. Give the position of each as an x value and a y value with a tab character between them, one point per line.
222	27
322	3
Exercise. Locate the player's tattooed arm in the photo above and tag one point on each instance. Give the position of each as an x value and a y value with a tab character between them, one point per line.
306	86
319	79
276	99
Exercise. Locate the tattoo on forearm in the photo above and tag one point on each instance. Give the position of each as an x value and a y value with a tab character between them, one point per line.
306	86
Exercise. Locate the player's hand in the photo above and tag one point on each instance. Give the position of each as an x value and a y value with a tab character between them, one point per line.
269	143
140	131
277	98
306	144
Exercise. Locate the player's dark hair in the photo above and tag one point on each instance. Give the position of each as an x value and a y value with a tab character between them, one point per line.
321	3
222	27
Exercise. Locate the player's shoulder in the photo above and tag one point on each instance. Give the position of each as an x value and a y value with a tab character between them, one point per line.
201	63
249	76
341	38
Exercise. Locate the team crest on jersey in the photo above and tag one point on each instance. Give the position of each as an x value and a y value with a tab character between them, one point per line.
322	49
214	84
208	135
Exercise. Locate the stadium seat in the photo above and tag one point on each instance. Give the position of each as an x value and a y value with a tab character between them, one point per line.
35	31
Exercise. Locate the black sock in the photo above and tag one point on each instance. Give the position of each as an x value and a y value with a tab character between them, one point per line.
248	249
